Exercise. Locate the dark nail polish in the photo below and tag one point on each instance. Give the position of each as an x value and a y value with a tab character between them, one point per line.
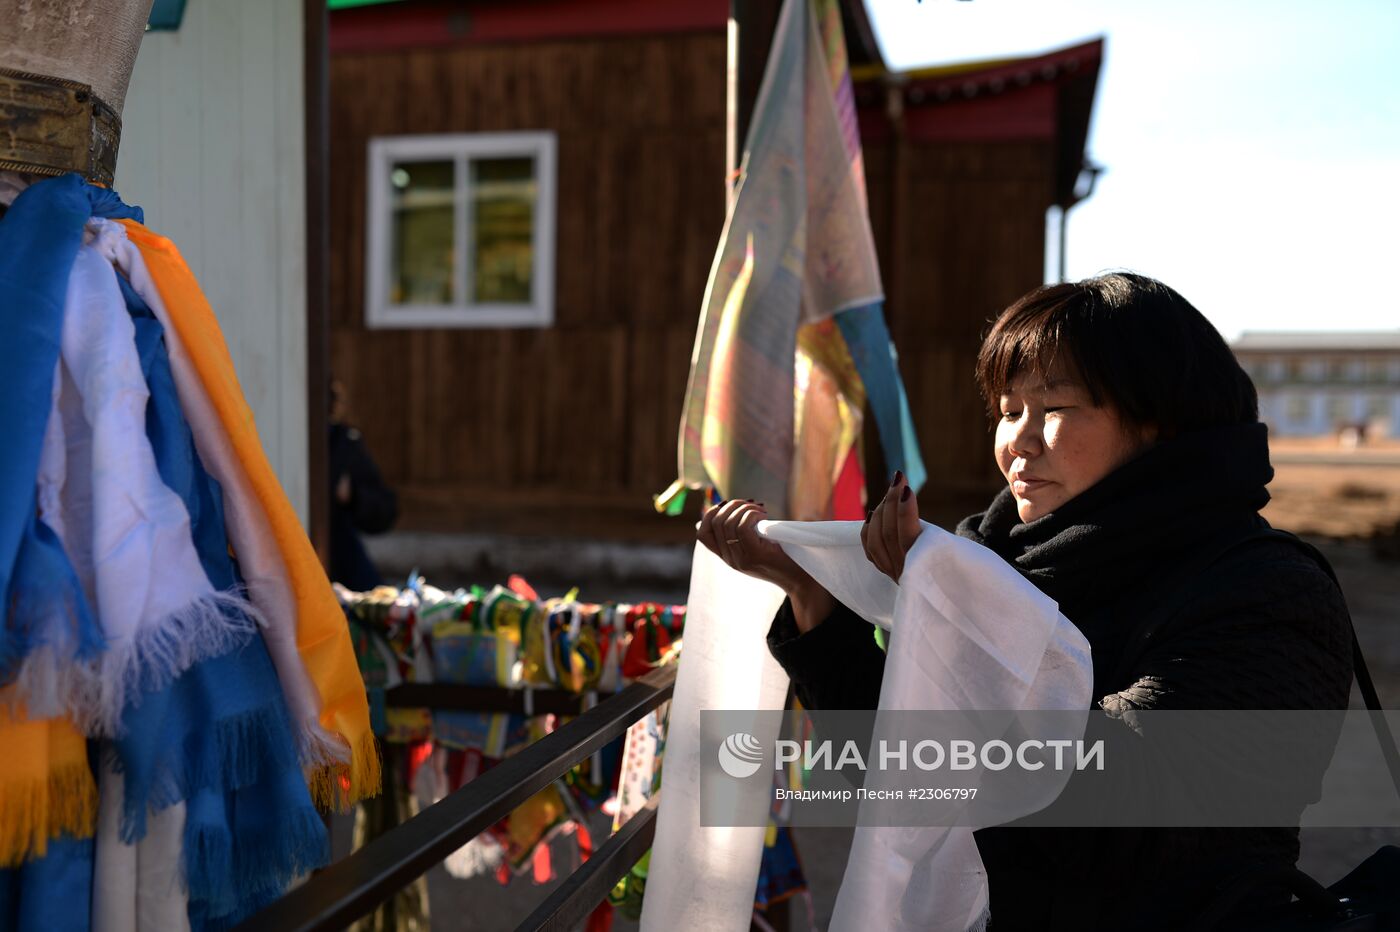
898	477
904	496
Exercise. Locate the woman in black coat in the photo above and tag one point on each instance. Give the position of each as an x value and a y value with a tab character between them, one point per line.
1136	468
361	501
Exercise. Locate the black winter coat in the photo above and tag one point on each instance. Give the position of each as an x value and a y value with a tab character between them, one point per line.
1262	627
372	509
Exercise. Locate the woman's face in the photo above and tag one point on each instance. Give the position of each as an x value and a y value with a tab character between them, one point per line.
1053	442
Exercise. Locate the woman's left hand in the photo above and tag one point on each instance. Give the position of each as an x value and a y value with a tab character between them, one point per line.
891	529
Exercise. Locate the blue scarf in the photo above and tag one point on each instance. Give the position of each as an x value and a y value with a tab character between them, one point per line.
243	848
52	893
40	236
39	239
219	737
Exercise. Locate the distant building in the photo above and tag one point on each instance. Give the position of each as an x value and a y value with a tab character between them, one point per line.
1319	383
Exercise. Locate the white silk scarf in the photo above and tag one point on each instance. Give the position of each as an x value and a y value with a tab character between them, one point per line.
966	632
138	887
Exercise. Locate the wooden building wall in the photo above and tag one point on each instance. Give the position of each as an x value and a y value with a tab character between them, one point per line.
960	230
568	429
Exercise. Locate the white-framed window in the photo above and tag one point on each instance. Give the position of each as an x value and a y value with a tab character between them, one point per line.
460	230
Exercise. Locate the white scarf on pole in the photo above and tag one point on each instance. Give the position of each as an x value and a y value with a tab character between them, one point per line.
138	887
967	632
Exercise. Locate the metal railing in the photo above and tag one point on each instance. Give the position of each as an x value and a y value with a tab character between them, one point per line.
353	887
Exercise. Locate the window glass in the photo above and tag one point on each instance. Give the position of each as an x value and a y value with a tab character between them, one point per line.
502	195
423	263
460	230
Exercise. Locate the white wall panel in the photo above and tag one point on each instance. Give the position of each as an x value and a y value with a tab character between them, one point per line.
213	150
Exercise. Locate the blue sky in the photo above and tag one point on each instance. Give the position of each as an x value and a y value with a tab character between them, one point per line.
1252	146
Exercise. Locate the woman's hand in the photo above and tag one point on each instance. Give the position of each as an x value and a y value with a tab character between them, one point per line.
891	529
730	530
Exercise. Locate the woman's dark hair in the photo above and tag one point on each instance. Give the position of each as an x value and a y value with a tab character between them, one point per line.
1134	342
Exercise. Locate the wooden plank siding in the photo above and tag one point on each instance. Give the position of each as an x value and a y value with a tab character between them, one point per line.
960	230
567	431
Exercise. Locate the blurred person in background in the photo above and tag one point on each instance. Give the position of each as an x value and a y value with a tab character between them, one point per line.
361	501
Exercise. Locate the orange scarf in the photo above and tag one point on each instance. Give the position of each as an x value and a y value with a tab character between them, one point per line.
46	787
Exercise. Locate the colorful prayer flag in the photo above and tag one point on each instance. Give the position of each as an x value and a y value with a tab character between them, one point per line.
774	403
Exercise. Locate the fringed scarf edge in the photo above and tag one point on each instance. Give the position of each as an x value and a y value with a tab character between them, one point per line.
95	693
35	810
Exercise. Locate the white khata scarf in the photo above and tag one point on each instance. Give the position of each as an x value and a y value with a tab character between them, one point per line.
966	632
126	533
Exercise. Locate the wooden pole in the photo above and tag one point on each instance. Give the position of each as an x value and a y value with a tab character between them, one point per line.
751	27
315	77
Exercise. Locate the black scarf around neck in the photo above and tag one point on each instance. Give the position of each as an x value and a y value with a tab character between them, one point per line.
1135	524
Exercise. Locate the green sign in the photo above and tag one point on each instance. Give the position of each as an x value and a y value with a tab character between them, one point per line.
346	4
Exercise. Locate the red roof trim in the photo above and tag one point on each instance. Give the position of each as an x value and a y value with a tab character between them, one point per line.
428	23
1015	100
1000	78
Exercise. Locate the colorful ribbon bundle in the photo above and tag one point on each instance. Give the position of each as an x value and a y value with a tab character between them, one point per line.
507	637
512	639
161	600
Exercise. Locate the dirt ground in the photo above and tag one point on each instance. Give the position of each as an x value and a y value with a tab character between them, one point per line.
1324	491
